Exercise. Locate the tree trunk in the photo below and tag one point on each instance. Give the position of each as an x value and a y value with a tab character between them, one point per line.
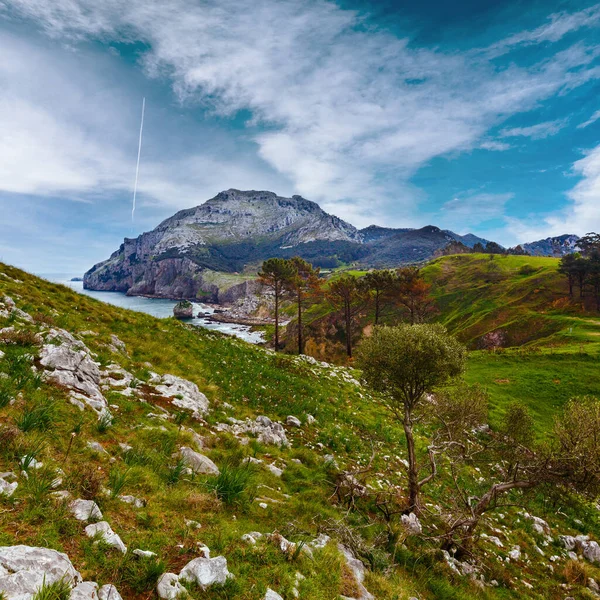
347	310
413	482
299	322
276	318
377	308
571	286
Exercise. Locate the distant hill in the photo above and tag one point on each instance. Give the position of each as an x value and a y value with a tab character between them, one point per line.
553	246
236	230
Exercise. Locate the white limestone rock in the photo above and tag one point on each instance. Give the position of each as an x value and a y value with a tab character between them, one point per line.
292	421
109	592
106	534
169	588
86	590
184	394
144	553
358	570
24	569
412	524
271	595
85	510
198	462
206	571
6	488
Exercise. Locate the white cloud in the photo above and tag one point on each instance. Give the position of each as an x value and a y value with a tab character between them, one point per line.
595	117
345	107
539	131
558	26
580	216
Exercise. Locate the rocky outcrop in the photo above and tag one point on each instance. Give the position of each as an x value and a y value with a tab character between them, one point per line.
24	569
223	234
183	310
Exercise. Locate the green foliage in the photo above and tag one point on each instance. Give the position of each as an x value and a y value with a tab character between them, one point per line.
142	574
105	421
58	590
232	484
37	415
407	361
117	480
518	424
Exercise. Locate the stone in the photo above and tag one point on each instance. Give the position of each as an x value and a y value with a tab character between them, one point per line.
85	510
275	470
292	421
271	595
515	553
412	524
267	431
539	525
7	489
206	571
183	310
69	363
86	590
591	551
169	588
96	447
320	542
184	394
109	592
310	420
24	569
107	535
144	553
137	502
358	570
117	345
198	462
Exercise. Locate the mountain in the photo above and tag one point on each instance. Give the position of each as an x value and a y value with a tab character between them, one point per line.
553	246
188	253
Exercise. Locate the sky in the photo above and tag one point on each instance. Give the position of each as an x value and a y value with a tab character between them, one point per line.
473	115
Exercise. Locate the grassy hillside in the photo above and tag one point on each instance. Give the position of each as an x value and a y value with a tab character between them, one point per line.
521	299
38	422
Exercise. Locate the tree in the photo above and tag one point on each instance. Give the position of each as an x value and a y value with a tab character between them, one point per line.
593	275
304	284
568	267
589	244
380	284
276	274
403	364
570	460
414	294
347	295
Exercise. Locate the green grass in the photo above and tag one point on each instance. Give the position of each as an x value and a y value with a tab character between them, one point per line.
524	297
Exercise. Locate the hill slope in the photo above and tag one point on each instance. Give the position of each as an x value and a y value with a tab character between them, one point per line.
145	379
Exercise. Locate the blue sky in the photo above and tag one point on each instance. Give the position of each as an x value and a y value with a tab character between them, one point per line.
470	115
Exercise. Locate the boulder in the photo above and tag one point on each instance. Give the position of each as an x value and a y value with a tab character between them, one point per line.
271	595
169	588
591	551
198	462
183	394
24	569
206	571
85	510
69	363
292	421
107	535
183	310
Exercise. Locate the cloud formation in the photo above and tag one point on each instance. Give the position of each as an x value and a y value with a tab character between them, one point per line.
337	105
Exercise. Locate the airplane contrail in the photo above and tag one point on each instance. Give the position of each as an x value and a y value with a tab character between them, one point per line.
137	167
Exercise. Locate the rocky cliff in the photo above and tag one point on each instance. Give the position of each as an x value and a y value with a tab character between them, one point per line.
226	233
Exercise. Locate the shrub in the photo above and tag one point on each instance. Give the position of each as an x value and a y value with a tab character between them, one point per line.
575	572
85	481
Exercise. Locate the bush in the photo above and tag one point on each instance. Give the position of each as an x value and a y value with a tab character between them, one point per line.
85	481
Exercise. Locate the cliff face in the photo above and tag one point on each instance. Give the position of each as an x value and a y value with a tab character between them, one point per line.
224	234
553	246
